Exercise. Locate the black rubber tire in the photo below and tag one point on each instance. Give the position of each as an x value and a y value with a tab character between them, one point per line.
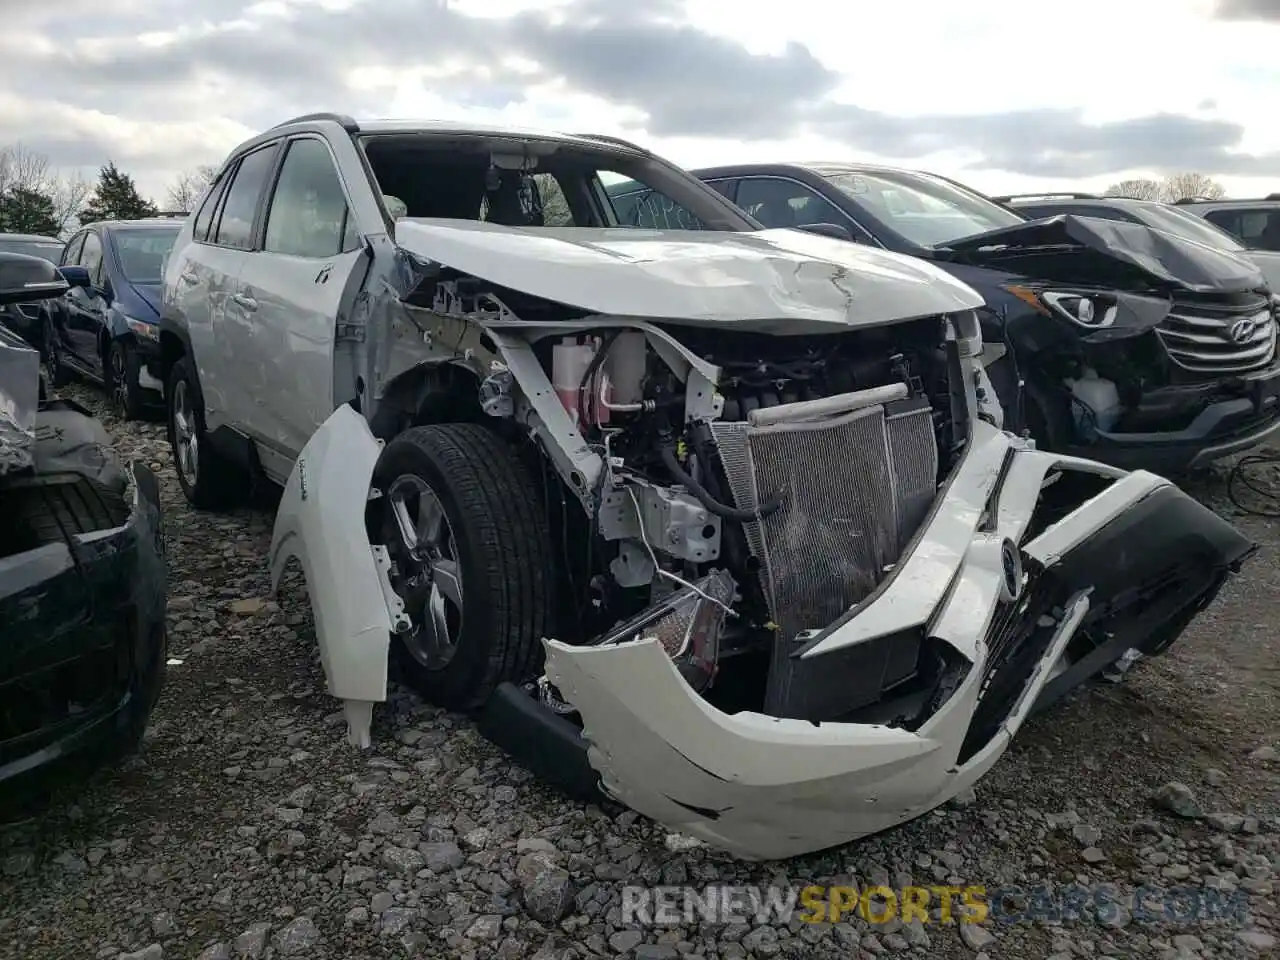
126	398
51	354
504	554
219	482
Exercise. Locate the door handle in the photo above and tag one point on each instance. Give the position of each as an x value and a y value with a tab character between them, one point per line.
248	303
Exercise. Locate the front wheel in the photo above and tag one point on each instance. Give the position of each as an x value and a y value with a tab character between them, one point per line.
471	557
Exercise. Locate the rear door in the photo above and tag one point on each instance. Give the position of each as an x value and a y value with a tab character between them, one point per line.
301	285
203	288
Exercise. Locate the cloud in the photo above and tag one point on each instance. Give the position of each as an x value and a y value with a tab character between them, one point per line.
1052	143
1248	10
160	86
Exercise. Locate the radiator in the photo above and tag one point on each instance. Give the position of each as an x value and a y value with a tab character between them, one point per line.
854	488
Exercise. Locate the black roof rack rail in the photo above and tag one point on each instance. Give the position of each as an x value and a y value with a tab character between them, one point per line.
1048	195
347	123
169	214
1269	198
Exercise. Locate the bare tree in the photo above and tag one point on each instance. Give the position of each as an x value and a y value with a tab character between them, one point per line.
23	170
1175	187
68	194
186	190
1183	185
1136	189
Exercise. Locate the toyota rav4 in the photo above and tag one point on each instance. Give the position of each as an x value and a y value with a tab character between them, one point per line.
718	520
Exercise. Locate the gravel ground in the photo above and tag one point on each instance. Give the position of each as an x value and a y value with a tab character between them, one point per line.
247	828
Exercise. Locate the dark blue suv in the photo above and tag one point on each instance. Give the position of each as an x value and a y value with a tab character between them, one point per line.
105	327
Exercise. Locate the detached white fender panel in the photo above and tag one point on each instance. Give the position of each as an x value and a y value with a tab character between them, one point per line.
321	521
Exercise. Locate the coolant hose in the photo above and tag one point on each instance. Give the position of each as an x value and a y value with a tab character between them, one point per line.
713	505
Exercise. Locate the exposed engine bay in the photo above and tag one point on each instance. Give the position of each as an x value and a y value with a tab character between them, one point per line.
716	522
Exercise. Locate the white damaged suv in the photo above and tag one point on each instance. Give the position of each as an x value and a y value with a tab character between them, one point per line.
719	521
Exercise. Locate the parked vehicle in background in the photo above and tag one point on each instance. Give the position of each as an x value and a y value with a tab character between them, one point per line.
703	499
1107	340
1170	218
106	327
32	245
1255	222
27	318
82	579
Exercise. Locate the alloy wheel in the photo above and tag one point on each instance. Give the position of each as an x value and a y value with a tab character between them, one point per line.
118	379
186	445
426	574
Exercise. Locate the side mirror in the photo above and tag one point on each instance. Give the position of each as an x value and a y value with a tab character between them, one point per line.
833	230
76	276
23	279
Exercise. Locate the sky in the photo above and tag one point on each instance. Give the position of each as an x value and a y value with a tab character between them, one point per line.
1005	96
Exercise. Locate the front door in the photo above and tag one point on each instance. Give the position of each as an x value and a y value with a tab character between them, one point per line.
85	310
302	283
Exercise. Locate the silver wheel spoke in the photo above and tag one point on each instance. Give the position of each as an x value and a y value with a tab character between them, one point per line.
444	574
428	576
435	629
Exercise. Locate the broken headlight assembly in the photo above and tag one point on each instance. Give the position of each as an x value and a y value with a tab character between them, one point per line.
1090	309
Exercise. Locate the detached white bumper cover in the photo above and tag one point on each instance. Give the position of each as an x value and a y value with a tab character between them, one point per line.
768	788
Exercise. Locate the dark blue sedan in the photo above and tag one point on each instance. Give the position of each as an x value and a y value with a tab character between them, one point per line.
105	328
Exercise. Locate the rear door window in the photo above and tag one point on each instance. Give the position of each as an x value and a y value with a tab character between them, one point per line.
1257	227
235	223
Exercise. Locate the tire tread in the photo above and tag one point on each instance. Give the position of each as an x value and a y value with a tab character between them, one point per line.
507	531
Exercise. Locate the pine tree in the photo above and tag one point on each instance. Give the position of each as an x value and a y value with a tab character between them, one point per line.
23	210
116	198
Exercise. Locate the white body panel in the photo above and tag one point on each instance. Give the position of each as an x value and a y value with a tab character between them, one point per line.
695	275
321	522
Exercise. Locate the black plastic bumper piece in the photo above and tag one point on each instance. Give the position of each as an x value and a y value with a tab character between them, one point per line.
543	742
1219	430
83	622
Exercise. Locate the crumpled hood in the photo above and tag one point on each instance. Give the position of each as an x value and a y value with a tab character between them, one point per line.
781	281
1036	249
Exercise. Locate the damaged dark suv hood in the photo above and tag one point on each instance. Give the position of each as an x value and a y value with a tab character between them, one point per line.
1087	250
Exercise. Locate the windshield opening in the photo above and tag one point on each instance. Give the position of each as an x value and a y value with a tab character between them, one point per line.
539	184
142	253
927	211
45	249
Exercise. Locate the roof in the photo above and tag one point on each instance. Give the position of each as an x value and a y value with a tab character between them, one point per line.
381	126
29	237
